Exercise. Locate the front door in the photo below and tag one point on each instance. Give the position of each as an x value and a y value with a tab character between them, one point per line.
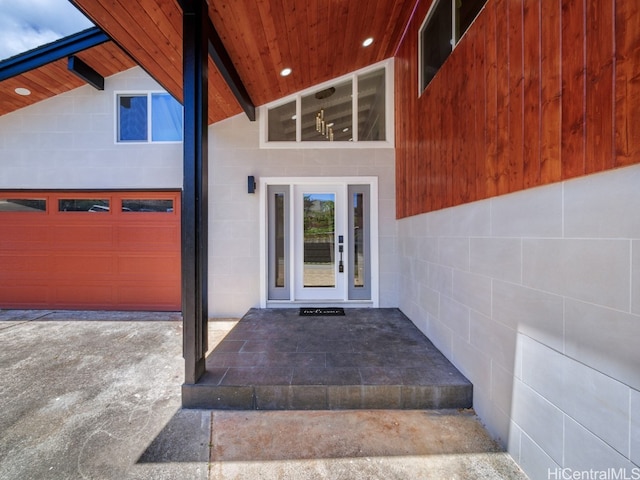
319	236
319	241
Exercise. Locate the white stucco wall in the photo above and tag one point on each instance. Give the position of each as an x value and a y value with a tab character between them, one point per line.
68	142
535	297
234	215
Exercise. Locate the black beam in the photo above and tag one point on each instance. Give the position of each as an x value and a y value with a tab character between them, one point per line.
85	72
195	311
51	52
222	60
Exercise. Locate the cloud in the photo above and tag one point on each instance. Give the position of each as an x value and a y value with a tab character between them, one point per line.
26	24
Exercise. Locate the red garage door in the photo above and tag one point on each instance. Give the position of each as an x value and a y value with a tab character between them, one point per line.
90	250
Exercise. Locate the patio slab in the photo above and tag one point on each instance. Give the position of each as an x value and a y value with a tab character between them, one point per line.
276	359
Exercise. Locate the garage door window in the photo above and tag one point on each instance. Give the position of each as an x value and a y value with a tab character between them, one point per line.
147	205
23	205
83	205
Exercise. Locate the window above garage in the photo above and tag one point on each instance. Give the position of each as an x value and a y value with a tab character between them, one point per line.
148	118
355	110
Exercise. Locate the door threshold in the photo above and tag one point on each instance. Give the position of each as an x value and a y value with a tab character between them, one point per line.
319	303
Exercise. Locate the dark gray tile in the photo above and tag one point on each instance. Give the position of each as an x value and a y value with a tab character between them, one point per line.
420	397
293	359
364	359
308	397
213	375
381	396
381	375
226	346
230	359
370	358
311	376
323	345
257	376
455	396
218	397
344	397
273	397
326	376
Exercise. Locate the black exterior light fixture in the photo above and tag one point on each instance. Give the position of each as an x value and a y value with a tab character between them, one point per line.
251	184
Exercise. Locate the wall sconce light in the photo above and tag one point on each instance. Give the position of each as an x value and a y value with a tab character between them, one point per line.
251	184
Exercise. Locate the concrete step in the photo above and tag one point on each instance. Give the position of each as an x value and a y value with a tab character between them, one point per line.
275	359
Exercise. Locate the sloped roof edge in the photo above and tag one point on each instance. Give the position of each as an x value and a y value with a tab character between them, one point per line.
51	52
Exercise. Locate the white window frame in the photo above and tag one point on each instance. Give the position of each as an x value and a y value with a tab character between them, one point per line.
263	115
290	182
116	117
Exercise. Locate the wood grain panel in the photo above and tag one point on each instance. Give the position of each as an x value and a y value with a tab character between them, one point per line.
573	88
501	170
480	104
54	78
627	83
552	87
531	114
550	92
319	40
515	145
491	167
599	86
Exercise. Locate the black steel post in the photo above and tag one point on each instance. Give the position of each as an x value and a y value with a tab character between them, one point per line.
195	188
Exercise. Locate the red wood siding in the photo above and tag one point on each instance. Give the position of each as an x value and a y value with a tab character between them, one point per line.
536	92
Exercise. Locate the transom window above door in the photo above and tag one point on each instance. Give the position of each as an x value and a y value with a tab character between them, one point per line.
351	110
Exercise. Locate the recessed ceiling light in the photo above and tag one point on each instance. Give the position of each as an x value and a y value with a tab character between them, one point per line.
367	42
345	129
285	72
23	91
294	117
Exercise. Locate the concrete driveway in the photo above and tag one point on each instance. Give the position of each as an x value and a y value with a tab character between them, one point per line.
96	395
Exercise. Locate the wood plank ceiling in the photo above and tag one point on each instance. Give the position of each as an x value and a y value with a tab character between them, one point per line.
317	39
55	78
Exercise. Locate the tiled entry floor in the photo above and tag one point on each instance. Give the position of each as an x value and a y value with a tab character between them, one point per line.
275	359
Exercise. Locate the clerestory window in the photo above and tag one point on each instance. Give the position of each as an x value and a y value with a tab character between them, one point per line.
352	109
444	26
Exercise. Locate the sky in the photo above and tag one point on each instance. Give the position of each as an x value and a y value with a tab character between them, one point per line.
26	24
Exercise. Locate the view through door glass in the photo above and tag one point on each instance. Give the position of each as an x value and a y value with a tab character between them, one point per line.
319	240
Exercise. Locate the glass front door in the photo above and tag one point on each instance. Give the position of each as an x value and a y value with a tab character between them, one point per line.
319	230
319	242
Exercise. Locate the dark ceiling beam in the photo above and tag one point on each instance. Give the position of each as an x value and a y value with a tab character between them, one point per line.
225	66
85	72
51	52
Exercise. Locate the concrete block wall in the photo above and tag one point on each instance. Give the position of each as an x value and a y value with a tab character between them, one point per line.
535	297
68	141
234	215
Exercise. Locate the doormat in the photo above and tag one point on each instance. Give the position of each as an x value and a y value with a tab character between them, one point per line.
321	312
